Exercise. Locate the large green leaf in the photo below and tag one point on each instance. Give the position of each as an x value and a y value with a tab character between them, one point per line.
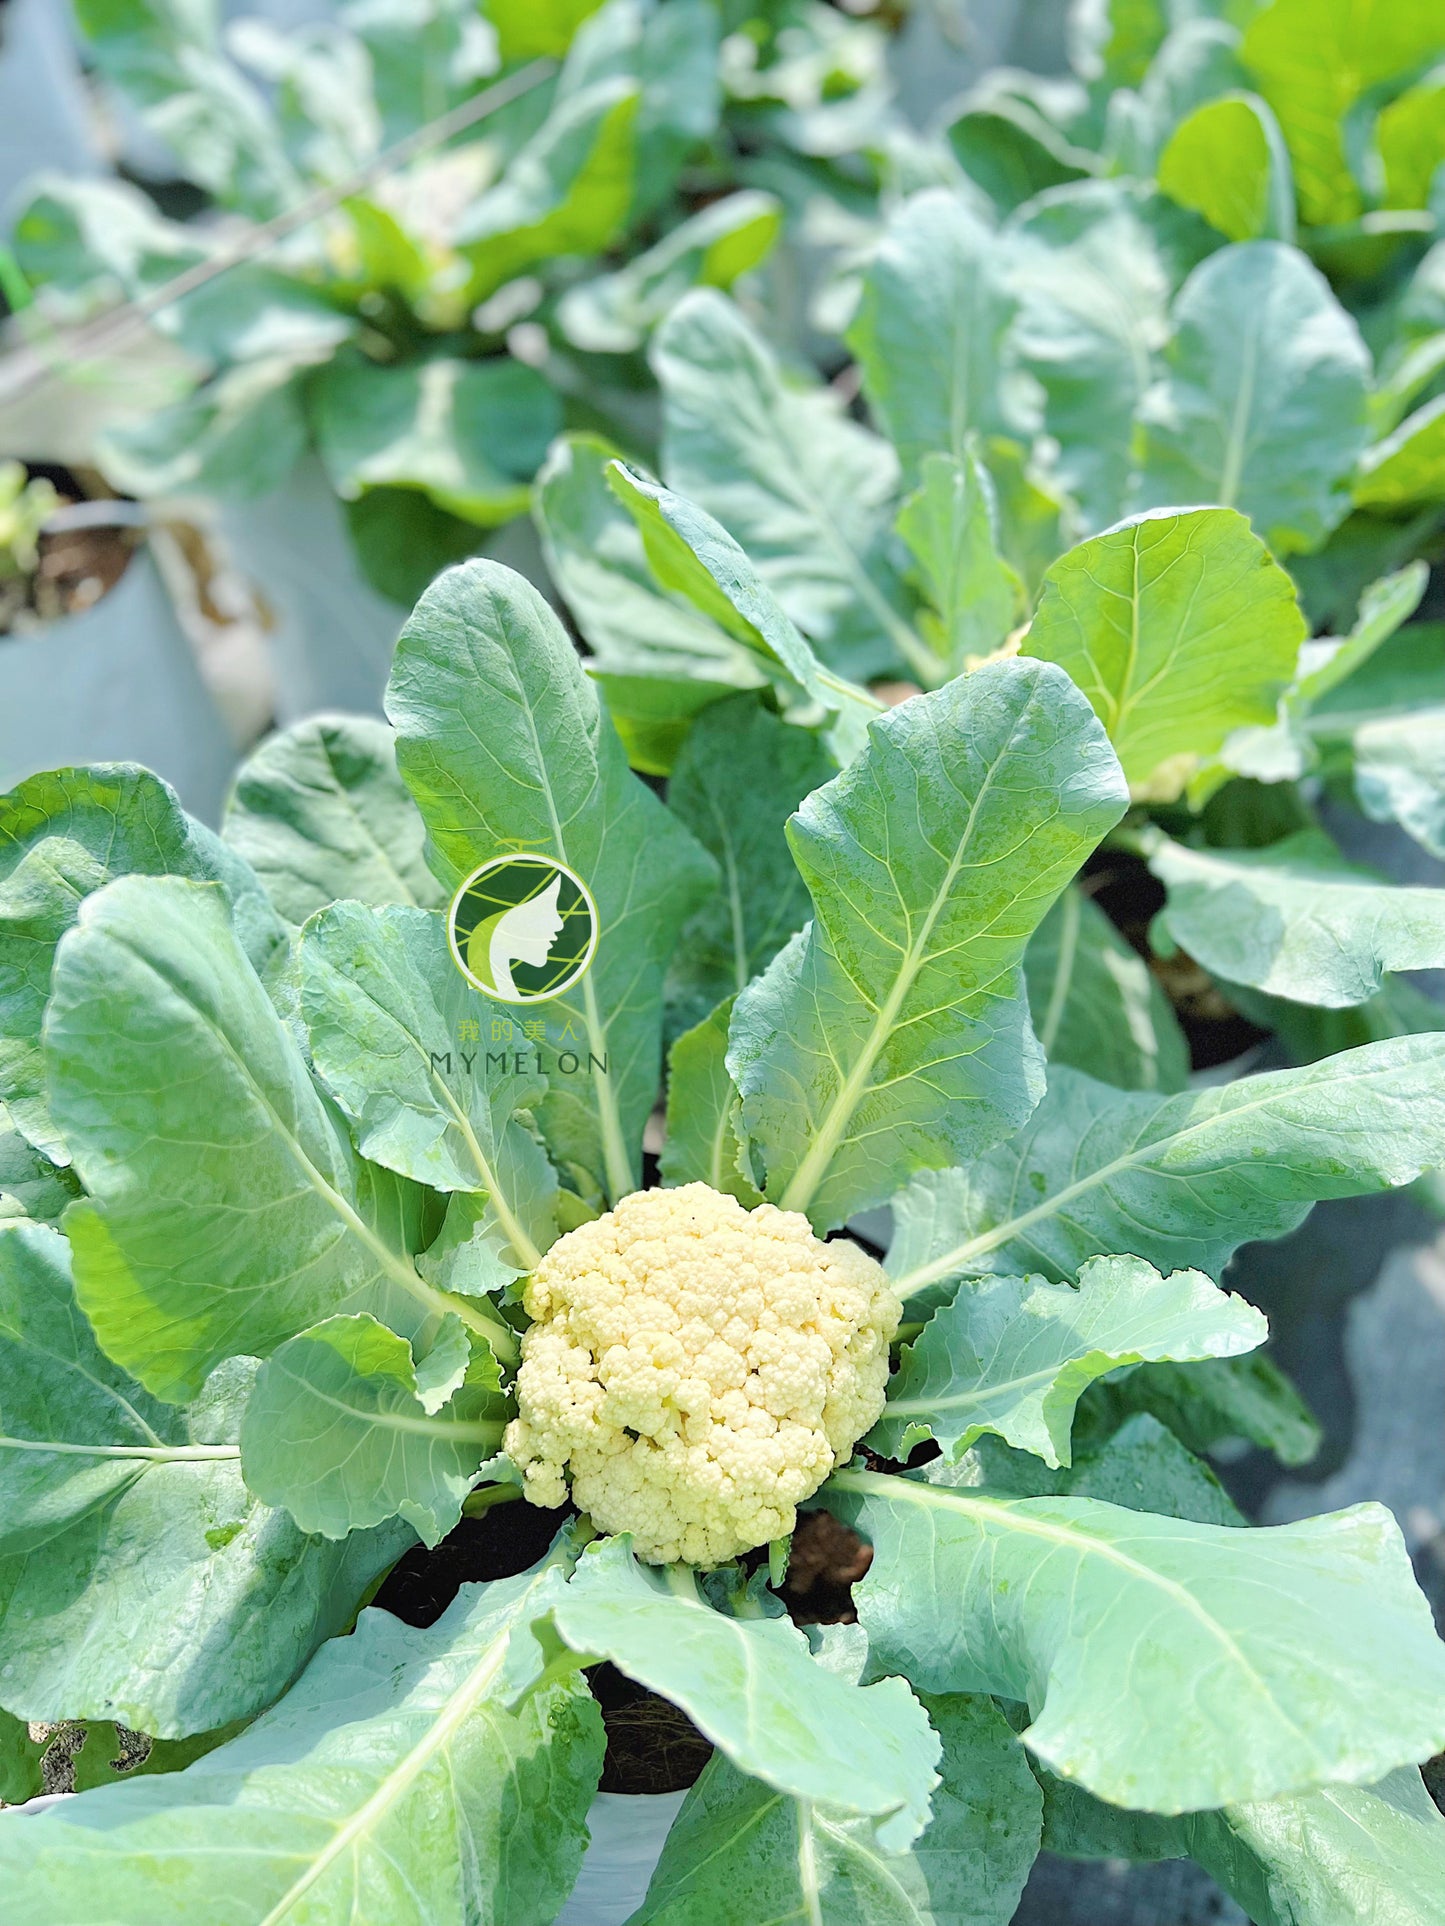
1141	1466
103	238
566	192
807	492
739	1852
1313	60
692	553
1179	628
400	1039
1263	406
1400	674
1181	1181
469	435
130	1550
1295	919
1009	149
704	1137
741	773
1400	774
1408	466
949	524
1229	162
339	1432
1349	1855
70	235
62	836
1220	1402
752	1686
390	1778
1288	747
1095	1003
929	333
1410	135
320	813
1273	1660
1352	1855
1093	288
893	1034
631	622
1013	1355
1128	1459
549	775
231	1210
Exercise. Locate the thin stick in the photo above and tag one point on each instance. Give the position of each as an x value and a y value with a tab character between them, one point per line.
108	330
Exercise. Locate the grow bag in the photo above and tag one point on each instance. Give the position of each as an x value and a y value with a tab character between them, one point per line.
117	683
333	634
45	117
628	1830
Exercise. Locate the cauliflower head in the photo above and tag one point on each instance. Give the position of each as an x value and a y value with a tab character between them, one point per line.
698	1369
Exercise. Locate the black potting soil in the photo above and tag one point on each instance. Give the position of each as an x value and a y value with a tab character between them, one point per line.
504	1541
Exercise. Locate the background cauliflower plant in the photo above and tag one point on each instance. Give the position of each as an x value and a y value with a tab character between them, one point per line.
298	1232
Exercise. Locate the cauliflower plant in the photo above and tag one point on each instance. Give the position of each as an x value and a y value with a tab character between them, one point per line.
698	1369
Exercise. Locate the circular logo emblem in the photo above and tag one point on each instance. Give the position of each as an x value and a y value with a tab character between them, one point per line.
523	928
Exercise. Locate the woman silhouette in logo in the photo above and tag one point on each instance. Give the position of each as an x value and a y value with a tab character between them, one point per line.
524	933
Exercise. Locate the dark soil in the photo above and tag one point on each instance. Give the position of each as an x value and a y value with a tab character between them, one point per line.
75	568
1131	897
651	1746
504	1541
825	1563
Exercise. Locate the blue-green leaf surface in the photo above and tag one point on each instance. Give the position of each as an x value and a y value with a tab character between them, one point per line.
1183	1180
1013	1355
62	836
807	492
320	813
337	1432
752	1686
230	1210
929	333
1295	919
1263	405
740	1851
502	741
1095	1003
893	1034
407	1048
130	1549
1167	1665
391	1782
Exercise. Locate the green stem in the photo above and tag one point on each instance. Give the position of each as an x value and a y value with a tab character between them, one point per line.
512	1229
682	1583
477	1503
851	691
